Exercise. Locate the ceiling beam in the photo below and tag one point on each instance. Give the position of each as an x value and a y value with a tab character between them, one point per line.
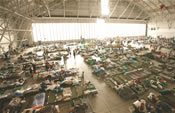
158	9
20	30
78	2
98	7
4	43
147	17
64	5
16	13
6	38
9	36
48	10
89	8
22	9
152	4
125	9
53	6
131	11
115	6
1	25
10	39
41	19
141	12
141	6
168	11
94	8
3	32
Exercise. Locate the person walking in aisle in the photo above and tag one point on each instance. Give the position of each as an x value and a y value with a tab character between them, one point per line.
74	53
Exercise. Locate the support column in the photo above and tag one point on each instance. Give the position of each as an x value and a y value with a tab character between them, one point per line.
146	30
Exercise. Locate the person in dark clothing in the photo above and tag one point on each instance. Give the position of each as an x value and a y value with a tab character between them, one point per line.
64	58
68	49
34	67
47	65
44	56
21	57
74	53
6	55
31	70
52	66
43	86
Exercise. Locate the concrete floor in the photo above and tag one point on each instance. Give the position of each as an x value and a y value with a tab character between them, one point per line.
107	100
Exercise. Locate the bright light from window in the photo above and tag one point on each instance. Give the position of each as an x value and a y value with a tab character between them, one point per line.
100	24
104	7
74	31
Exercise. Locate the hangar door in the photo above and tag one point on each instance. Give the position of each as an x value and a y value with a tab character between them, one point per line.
73	31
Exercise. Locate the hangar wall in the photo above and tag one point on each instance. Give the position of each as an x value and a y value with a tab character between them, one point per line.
7	37
25	36
161	27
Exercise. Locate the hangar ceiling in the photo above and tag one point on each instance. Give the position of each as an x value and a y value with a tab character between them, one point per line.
17	13
119	9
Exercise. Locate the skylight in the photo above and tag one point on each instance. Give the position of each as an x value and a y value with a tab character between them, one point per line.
104	7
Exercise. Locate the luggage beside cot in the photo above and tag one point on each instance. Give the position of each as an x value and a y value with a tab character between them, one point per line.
39	100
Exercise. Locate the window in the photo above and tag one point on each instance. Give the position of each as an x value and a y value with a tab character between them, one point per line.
104	7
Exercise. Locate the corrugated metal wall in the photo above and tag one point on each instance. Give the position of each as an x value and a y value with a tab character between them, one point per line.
72	31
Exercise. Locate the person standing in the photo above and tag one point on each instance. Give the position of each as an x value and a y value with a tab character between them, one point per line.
68	49
45	53
10	46
47	65
70	53
64	59
6	55
44	56
31	70
74	53
52	66
34	67
57	65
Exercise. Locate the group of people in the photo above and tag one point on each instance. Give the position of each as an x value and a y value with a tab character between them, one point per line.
49	65
154	106
75	51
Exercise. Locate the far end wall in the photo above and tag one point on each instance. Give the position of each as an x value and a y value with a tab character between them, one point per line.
160	27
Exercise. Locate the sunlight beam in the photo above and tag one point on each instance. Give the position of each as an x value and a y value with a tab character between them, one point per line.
105	7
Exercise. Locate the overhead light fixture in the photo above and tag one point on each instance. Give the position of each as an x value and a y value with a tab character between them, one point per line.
104	7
